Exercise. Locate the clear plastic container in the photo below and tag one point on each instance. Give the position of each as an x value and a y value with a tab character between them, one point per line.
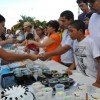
40	96
48	92
60	95
59	87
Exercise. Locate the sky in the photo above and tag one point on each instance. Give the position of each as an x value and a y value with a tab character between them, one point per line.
40	9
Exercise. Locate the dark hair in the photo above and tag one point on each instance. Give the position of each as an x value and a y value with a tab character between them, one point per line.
91	1
80	1
88	15
67	14
30	36
40	27
54	24
2	19
78	24
3	37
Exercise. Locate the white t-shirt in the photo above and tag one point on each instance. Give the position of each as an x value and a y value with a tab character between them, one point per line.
33	31
85	53
41	50
6	35
10	36
68	56
94	28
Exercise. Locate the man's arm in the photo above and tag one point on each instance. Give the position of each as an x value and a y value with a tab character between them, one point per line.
71	68
6	42
97	83
15	57
60	50
47	42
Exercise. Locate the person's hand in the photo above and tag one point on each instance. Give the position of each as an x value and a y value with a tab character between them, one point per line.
69	72
26	50
43	56
33	57
96	84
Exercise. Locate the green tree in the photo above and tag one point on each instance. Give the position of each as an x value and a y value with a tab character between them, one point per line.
32	20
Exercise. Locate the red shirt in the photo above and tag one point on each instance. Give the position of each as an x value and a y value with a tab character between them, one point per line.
32	47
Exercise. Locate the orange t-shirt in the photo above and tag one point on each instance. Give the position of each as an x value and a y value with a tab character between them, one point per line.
54	46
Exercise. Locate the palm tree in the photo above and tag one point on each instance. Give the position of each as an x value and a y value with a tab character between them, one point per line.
32	20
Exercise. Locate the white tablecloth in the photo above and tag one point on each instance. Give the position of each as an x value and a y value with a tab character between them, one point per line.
78	77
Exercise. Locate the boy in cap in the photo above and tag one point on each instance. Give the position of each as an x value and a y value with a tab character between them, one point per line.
28	28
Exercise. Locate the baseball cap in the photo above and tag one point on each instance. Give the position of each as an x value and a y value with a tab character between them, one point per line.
26	24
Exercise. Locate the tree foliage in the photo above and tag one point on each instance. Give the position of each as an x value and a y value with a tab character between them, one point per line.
32	20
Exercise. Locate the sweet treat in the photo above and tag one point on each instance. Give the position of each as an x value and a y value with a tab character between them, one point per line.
47	73
65	75
57	75
41	78
54	71
45	82
71	81
53	82
64	81
17	93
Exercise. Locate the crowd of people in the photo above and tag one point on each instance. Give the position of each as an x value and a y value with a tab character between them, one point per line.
73	43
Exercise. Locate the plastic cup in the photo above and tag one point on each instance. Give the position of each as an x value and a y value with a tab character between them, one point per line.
60	95
38	88
59	87
48	92
40	96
